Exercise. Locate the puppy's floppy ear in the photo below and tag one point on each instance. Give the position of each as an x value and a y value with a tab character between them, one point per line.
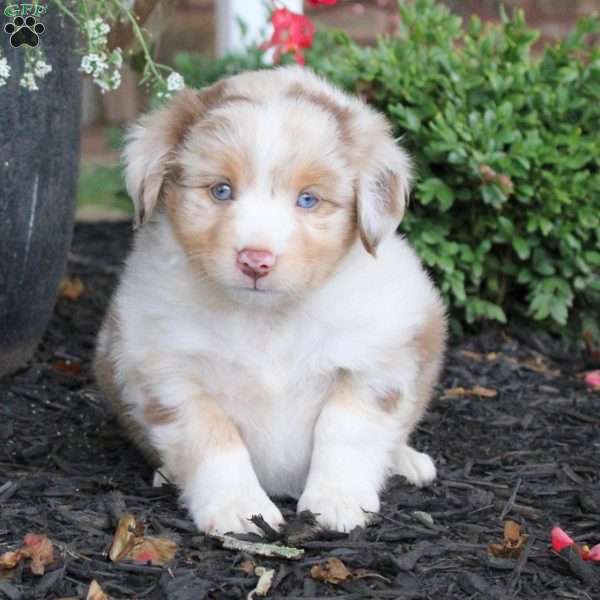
383	191
149	150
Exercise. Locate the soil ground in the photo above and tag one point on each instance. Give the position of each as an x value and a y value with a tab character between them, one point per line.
531	454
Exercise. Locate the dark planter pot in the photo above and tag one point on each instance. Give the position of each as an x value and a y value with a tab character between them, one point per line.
39	148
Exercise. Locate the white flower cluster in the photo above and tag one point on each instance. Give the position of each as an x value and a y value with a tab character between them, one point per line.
174	83
36	69
4	70
102	65
105	69
97	29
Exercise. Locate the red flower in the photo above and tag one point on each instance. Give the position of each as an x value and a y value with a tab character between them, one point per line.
560	541
322	2
291	33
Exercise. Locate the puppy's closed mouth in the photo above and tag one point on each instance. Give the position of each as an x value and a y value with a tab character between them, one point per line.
255	290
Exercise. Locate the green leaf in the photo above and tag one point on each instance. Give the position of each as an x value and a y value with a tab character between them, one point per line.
559	312
458	289
493	195
445	263
521	247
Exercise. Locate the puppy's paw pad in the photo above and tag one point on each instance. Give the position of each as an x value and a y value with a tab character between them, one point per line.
338	509
417	467
233	515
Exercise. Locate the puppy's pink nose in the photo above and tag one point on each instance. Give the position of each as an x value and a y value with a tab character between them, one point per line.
255	263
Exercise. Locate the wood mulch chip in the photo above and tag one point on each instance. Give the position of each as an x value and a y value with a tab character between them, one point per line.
529	453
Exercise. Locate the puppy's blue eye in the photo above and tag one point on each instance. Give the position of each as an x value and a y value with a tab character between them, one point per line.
222	192
307	200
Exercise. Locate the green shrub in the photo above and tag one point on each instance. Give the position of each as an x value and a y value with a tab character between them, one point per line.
199	70
102	186
506	206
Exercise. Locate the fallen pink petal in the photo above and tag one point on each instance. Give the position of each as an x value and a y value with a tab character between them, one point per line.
594	553
560	539
593	379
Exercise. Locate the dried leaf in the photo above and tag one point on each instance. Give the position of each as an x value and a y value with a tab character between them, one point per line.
506	183
484	392
41	552
538	365
265	580
9	560
487	173
512	533
158	551
95	592
365	574
123	538
476	356
71	288
67	367
36	547
333	570
513	543
478	390
129	543
247	566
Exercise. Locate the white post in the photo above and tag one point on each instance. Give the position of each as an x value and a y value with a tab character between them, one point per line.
254	15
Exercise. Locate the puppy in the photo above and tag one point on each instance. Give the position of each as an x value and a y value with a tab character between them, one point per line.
271	335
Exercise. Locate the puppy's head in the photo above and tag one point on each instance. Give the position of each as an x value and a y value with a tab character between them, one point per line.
268	179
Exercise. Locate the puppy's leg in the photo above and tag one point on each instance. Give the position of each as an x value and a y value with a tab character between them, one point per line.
417	467
426	349
352	450
201	448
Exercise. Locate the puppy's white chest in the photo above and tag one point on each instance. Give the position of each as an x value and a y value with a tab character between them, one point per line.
275	403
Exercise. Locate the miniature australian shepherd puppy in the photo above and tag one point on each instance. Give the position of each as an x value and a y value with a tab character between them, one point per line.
271	334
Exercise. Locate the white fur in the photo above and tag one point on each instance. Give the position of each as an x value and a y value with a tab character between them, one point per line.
272	373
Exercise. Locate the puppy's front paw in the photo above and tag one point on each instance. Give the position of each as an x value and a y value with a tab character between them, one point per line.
337	508
417	467
232	514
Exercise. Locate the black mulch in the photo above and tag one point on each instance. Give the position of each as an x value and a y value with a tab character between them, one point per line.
531	454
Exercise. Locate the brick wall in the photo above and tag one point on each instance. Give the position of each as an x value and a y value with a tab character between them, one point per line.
367	19
192	28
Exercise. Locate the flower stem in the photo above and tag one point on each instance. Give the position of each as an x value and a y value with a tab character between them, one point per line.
63	9
140	38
